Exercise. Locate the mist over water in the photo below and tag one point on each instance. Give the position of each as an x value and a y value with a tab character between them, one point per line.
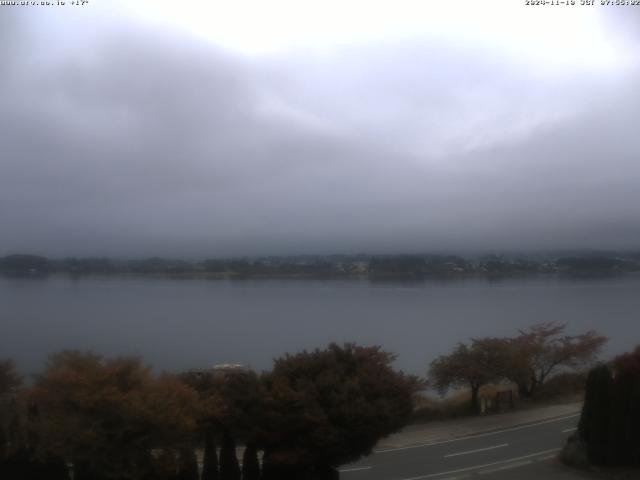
180	324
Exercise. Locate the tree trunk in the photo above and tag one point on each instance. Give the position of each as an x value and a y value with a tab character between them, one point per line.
534	386
55	468
525	389
166	466
267	466
274	471
475	403
188	465
229	468
4	443
83	471
250	464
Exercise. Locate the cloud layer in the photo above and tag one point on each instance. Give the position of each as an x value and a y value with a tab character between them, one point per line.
124	139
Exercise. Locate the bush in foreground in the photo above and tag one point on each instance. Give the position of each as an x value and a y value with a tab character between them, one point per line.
330	407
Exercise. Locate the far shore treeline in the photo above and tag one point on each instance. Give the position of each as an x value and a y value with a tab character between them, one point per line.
334	266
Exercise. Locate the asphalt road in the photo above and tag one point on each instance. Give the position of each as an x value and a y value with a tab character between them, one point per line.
517	453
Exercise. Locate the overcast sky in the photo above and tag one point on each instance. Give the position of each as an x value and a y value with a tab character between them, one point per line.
206	128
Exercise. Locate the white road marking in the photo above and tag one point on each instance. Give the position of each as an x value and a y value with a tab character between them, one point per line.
478	467
476	450
479	435
567	430
354	469
548	457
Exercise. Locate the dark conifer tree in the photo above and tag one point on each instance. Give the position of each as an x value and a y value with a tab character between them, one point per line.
210	461
187	465
272	470
17	466
268	472
84	471
633	421
610	421
595	422
54	467
4	441
624	440
250	463
229	468
166	466
621	434
147	466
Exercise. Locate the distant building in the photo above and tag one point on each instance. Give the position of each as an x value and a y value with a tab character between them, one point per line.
219	371
224	370
360	267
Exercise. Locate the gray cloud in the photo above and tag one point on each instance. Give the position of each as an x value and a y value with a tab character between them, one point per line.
151	142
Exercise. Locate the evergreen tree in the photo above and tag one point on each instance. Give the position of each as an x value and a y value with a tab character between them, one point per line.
594	421
4	442
624	440
610	421
633	422
17	466
166	466
55	467
275	471
210	461
229	468
188	465
250	463
82	470
268	468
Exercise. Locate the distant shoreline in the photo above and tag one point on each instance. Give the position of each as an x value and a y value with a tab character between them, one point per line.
373	268
336	277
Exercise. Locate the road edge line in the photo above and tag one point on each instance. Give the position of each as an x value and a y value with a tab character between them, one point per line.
478	435
478	467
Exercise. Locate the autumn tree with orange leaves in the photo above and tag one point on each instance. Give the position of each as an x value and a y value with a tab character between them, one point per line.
528	360
107	415
481	362
544	349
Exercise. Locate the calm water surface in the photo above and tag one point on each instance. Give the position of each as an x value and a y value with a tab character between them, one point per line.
177	324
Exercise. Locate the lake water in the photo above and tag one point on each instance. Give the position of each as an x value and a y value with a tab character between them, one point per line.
179	324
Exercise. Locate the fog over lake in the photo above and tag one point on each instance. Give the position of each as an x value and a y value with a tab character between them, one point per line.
179	324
